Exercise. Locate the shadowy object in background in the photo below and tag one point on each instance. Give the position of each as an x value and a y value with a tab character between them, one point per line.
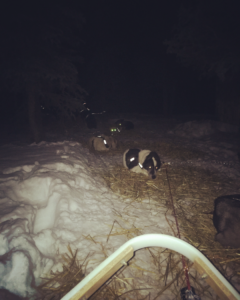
124	125
88	116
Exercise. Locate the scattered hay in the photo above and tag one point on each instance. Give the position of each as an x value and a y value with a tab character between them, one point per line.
194	191
137	187
166	274
59	283
120	286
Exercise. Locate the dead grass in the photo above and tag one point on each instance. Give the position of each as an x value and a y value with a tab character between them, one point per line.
59	283
193	190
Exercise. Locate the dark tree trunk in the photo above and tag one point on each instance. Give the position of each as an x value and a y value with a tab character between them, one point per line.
34	114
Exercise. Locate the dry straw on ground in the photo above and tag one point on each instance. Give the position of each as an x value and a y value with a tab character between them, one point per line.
58	283
193	190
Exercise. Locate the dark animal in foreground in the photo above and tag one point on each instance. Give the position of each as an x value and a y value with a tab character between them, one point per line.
226	219
124	125
103	143
146	162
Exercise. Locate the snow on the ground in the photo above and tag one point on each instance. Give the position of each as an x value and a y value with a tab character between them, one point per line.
50	198
202	128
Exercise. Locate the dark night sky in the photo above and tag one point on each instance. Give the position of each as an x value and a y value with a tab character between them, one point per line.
137	30
125	39
143	24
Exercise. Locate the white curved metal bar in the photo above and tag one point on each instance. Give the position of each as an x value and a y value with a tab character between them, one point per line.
107	268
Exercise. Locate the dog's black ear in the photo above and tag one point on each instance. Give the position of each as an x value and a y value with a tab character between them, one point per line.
157	158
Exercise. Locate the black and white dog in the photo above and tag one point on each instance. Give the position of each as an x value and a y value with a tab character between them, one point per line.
226	219
146	162
124	125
